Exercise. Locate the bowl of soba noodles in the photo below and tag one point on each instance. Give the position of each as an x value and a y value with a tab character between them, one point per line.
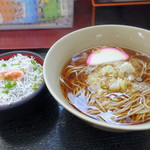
101	74
21	83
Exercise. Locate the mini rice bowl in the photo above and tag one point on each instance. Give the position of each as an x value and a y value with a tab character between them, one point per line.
103	35
20	99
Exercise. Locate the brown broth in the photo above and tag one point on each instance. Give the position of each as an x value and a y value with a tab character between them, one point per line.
80	102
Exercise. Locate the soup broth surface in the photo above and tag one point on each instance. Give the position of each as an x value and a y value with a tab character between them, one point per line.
116	92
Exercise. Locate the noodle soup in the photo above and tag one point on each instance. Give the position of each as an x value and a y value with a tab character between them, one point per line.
117	92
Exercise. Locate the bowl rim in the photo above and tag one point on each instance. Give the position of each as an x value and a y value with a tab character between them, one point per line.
29	97
94	122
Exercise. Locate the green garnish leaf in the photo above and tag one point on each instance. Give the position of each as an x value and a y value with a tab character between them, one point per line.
33	62
5	92
4	65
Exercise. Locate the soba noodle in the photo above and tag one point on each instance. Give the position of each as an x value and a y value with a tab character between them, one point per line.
117	92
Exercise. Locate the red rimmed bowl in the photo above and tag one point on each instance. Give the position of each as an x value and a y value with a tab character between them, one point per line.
27	104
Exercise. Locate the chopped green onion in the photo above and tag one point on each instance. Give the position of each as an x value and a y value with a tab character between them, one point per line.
34	68
15	64
5	92
35	89
7	79
10	85
21	68
4	65
33	62
34	86
14	84
40	69
35	77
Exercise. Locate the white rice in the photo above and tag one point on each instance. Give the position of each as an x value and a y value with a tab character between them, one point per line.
33	76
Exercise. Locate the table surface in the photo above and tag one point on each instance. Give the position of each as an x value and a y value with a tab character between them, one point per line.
51	127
